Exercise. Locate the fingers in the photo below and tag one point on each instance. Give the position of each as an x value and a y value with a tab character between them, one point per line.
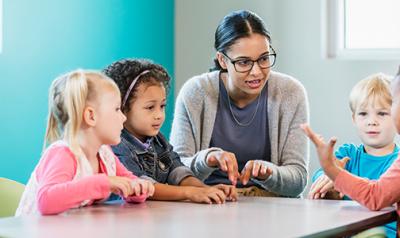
315	191
227	163
142	186
224	188
148	188
233	195
325	188
217	196
232	167
256	168
151	189
332	142
342	163
222	164
246	172
229	191
316	139
120	185
136	187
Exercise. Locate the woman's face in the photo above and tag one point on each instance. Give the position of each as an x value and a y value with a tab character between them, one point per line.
243	51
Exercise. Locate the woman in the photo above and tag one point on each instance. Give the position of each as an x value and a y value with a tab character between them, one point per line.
240	122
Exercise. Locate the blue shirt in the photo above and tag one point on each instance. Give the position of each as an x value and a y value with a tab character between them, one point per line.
250	142
367	166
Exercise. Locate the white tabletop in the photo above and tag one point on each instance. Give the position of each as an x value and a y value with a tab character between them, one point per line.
249	217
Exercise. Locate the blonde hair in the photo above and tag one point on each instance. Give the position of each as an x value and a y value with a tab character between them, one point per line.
373	89
68	95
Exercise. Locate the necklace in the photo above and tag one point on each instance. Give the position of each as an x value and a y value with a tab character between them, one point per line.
234	117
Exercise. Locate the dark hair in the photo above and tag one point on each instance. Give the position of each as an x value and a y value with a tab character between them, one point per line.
123	72
236	25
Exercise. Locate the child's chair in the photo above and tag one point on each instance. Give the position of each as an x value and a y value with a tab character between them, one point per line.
376	232
10	194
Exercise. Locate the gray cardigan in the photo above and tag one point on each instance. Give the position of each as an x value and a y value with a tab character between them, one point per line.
194	118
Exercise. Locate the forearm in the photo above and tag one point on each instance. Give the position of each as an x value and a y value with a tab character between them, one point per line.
373	194
192	181
332	171
166	192
57	198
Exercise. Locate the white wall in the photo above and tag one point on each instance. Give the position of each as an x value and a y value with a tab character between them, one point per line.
296	30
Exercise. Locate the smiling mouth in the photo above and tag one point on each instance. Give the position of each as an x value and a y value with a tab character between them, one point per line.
254	83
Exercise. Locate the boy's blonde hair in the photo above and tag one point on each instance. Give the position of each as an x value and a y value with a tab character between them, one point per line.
373	89
68	95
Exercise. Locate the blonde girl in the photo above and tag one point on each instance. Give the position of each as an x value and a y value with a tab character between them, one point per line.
78	167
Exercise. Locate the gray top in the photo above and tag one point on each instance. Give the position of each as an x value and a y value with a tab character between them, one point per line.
194	118
248	141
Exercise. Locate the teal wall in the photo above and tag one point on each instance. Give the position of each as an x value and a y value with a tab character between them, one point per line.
44	38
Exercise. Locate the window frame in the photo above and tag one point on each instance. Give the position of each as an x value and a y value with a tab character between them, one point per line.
334	34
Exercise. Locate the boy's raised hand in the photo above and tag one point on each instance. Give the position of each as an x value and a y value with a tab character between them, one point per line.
325	152
229	191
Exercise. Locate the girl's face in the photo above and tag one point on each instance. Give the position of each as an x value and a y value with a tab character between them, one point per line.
147	111
255	47
375	125
110	118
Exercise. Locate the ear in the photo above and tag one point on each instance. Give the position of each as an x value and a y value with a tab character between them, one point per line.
221	60
89	116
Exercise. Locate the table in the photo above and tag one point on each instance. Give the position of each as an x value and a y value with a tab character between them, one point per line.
249	217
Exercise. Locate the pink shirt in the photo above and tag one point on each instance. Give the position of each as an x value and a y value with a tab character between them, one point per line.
57	190
375	195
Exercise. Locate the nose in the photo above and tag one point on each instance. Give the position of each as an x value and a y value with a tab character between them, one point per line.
159	115
123	117
372	121
256	70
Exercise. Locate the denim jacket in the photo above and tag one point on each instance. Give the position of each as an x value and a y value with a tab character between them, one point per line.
156	162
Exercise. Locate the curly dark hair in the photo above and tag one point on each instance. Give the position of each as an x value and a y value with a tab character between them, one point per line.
123	72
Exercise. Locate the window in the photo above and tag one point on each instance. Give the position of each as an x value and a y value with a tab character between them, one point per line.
362	29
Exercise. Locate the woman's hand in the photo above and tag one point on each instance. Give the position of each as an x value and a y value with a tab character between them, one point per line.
226	162
255	168
229	191
325	152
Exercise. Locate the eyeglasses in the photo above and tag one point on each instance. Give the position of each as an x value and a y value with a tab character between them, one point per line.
245	65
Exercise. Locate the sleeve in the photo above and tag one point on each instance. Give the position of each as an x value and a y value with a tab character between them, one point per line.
289	177
178	170
58	191
183	136
375	195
